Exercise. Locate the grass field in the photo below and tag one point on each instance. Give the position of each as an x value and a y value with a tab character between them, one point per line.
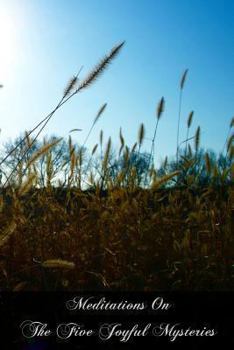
76	220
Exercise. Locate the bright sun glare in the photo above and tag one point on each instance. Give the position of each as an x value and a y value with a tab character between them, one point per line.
7	43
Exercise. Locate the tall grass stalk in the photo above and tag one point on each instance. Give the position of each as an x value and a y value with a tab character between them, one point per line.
231	126
99	114
189	123
182	83
159	113
89	80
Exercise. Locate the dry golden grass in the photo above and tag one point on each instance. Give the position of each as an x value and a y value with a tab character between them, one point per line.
106	221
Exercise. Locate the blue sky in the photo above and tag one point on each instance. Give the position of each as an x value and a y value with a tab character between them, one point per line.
44	42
